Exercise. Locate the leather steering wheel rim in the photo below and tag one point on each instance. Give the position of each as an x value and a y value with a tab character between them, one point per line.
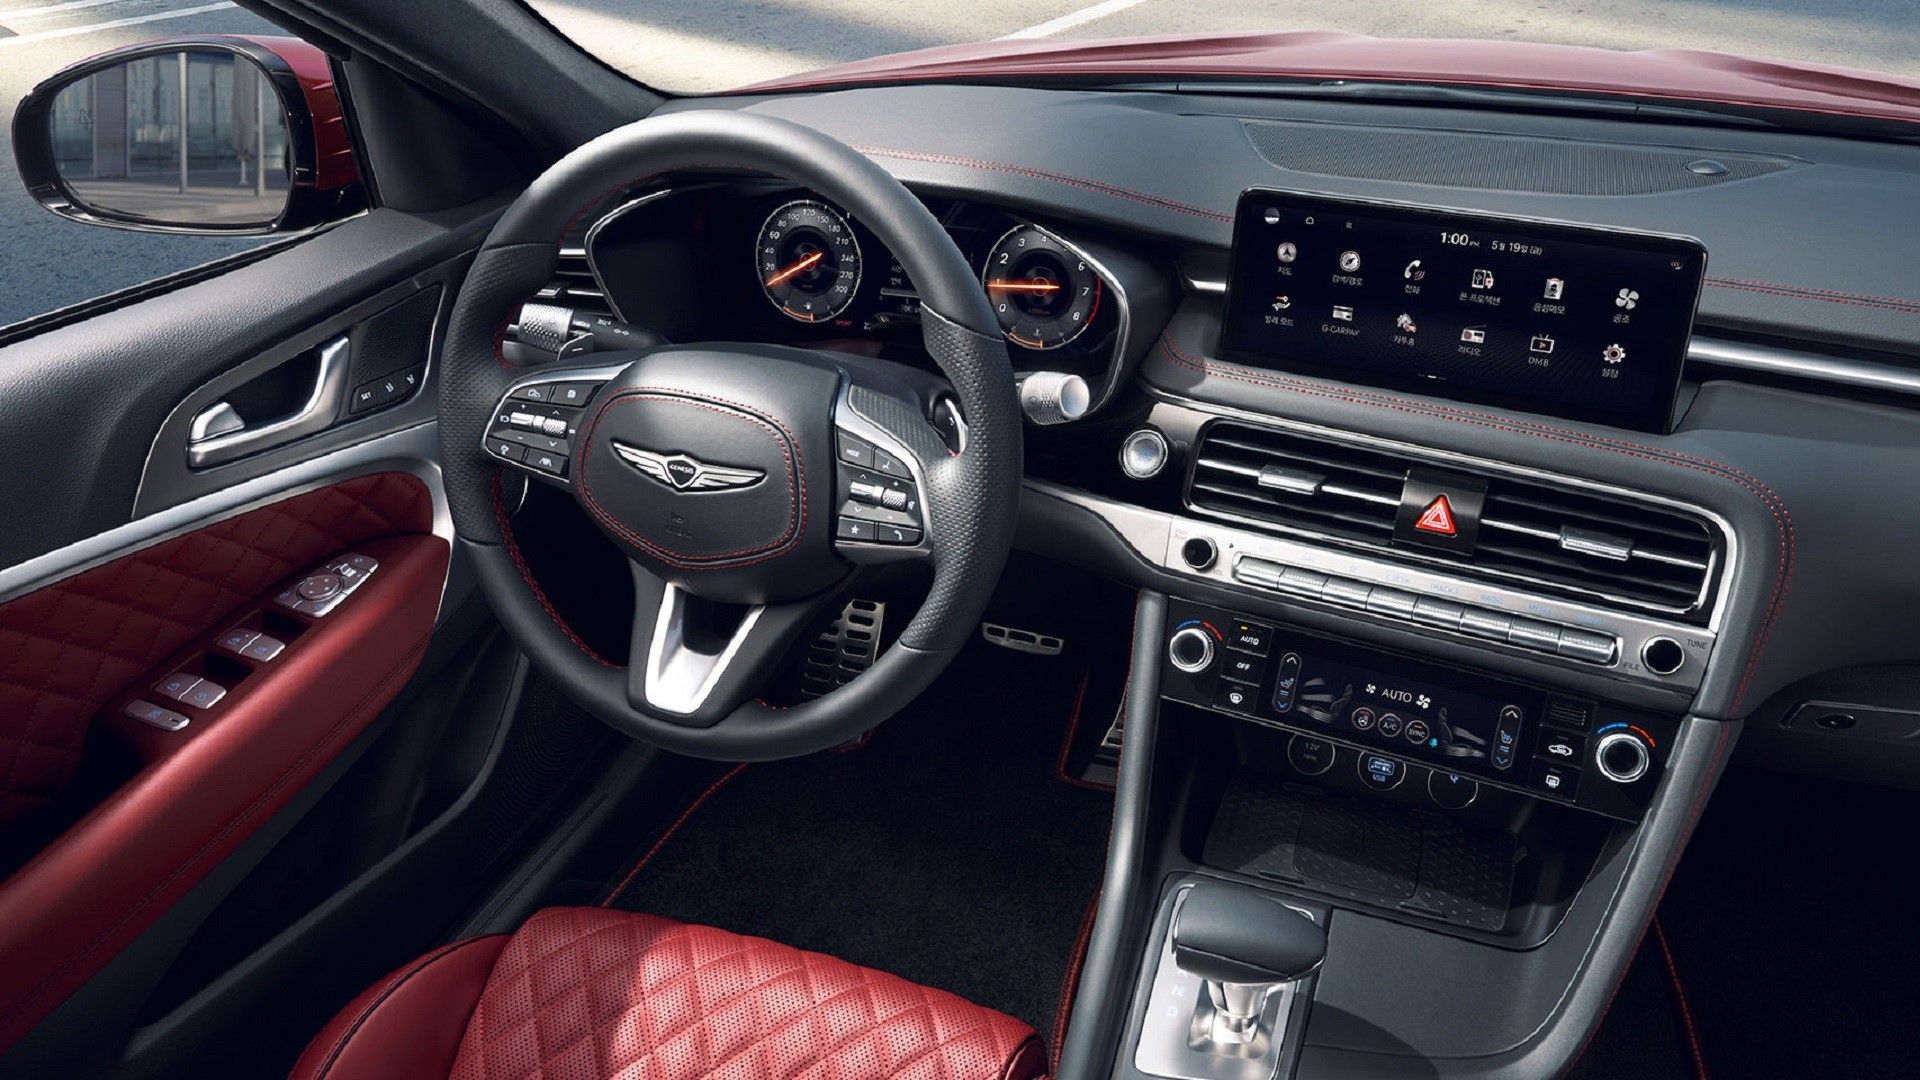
971	497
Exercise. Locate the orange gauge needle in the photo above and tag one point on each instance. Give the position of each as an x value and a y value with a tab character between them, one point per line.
1023	286
795	268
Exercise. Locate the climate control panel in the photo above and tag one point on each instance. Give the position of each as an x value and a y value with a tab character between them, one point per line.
1394	714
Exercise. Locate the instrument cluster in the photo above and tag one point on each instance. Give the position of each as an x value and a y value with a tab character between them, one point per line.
782	264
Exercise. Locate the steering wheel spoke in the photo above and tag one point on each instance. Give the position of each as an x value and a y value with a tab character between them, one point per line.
535	426
884	450
694	661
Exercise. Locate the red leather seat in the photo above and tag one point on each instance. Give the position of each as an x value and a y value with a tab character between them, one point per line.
592	994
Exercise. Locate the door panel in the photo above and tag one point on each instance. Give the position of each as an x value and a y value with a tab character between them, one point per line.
77	649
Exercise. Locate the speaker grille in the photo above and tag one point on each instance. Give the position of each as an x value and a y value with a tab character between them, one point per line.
1493	162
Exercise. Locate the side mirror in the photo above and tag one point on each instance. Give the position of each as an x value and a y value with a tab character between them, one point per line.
217	135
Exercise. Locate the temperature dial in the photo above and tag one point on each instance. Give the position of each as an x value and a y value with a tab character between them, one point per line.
1623	757
1190	649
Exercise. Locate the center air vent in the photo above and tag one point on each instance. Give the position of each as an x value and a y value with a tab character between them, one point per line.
1558	538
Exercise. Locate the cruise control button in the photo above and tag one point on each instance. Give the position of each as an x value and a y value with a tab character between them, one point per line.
541	392
506	451
1556	780
1380	772
1561	747
890	465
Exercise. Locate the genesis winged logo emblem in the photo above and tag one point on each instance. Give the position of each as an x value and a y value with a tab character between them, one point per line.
682	472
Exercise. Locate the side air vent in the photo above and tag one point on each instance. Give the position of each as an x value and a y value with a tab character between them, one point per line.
573	284
1559	538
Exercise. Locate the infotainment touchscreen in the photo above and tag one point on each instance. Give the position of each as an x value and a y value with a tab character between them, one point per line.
1571	320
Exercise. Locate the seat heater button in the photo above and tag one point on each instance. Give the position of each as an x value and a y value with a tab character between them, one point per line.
204	695
148	713
263	648
320	587
176	686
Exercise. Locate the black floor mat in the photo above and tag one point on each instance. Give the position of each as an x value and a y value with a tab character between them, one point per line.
946	850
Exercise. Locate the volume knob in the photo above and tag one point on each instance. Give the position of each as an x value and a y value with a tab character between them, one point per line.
1622	757
1190	649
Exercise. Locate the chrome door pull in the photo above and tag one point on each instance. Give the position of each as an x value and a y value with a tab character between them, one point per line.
219	434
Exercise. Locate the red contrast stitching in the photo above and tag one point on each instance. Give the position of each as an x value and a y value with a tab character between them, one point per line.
789	452
699	801
1096	186
1894	303
526	575
405	668
1770	499
1680	998
1064	1011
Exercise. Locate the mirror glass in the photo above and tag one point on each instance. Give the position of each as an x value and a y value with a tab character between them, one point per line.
193	138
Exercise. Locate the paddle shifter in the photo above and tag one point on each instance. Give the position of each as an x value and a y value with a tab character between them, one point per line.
1244	946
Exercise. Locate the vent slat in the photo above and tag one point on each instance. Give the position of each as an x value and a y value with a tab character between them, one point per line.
1560	539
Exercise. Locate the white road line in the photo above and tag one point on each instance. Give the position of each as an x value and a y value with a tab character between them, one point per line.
1073	18
111	24
55	9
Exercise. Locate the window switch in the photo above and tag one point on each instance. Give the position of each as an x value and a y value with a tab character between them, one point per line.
236	640
263	648
204	695
148	713
176	686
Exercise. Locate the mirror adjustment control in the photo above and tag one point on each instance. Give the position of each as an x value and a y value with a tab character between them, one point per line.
322	589
1190	649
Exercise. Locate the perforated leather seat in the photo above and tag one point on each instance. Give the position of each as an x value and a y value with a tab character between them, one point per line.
589	993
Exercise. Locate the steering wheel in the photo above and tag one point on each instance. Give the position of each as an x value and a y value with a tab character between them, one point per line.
745	483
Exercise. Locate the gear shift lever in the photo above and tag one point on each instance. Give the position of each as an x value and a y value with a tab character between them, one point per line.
1243	945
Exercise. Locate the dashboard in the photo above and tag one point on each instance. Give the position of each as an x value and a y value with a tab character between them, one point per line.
709	260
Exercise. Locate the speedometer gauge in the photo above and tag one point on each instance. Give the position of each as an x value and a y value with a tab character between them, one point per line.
808	260
1044	292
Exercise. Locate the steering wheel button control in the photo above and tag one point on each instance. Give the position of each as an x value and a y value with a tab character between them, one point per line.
552	464
890	465
148	713
506	450
854	450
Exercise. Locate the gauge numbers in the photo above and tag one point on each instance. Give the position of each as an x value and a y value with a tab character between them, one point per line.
808	260
1044	293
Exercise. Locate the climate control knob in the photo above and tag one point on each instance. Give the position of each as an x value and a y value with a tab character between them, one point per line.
1622	757
1190	649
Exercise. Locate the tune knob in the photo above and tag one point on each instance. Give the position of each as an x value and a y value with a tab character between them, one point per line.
1622	757
1190	649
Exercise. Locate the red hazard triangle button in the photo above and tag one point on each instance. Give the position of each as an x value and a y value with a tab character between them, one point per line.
1437	518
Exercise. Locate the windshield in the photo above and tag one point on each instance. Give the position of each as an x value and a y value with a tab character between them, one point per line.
699	46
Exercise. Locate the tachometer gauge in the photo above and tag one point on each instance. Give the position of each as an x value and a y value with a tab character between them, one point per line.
1044	293
809	260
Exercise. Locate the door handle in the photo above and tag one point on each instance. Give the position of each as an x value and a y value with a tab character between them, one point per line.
219	434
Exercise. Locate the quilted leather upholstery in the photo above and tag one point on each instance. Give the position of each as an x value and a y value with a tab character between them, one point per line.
590	993
67	649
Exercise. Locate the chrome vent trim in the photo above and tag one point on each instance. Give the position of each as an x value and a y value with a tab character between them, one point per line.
1546	535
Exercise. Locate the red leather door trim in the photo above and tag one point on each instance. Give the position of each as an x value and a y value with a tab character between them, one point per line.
67	649
106	879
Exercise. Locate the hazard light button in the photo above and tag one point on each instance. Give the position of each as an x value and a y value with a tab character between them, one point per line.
1440	510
